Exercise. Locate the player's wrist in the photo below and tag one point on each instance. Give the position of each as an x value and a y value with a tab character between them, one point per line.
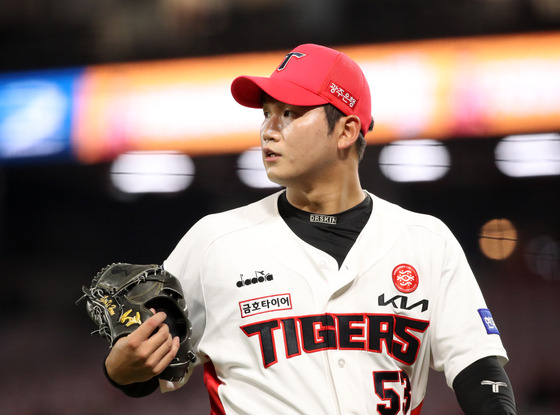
134	389
112	375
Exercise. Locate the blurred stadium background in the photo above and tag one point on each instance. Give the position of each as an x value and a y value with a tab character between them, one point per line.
117	133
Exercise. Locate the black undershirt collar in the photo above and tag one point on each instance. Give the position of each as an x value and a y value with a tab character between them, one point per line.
333	234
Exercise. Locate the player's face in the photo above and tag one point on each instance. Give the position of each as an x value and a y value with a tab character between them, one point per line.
297	148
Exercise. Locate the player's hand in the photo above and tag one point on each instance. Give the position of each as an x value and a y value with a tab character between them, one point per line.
140	356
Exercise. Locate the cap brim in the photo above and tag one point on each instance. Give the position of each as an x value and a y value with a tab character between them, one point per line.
249	90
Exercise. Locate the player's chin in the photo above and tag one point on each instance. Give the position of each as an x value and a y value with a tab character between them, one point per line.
276	177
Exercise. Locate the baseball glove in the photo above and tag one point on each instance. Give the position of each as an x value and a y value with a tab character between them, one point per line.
119	301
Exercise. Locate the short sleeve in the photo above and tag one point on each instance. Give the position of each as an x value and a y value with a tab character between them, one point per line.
463	329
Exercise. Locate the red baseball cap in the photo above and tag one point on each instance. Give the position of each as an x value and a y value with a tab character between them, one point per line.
311	75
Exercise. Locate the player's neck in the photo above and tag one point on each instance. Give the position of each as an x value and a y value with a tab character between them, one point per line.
326	200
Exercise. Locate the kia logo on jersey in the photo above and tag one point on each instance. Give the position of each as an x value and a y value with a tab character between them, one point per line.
405	278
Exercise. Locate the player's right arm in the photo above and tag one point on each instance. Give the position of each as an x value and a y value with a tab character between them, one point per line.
136	360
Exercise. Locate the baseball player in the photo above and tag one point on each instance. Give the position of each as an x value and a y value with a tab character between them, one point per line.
322	298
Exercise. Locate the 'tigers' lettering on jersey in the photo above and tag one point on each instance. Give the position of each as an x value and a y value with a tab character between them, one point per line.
365	332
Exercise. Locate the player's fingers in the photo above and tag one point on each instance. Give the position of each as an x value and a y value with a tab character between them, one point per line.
159	346
146	329
167	355
155	340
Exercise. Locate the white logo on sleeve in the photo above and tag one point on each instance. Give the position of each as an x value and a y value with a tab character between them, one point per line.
495	385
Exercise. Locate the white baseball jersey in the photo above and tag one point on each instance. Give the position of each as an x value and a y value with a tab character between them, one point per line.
282	330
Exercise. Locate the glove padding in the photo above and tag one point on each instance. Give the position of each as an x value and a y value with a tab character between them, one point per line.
119	301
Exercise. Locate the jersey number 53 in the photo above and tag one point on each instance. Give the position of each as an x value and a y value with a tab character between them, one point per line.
385	389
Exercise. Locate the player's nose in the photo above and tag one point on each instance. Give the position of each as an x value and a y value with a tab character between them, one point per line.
270	130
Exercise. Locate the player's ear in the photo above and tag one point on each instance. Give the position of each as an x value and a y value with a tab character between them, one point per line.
348	131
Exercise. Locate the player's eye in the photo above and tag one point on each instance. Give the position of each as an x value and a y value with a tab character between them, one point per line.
290	114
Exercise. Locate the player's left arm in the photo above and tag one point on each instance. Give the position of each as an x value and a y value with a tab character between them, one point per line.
483	388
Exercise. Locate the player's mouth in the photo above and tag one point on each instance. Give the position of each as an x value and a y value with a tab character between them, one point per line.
270	155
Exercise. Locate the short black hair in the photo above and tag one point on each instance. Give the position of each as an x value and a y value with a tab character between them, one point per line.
333	115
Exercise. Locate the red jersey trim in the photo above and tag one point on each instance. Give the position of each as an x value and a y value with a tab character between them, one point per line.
416	411
212	383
